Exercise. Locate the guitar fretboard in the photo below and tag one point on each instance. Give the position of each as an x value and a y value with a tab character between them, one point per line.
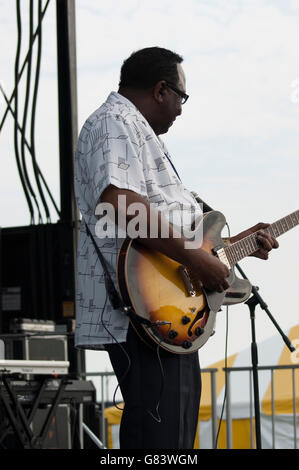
249	245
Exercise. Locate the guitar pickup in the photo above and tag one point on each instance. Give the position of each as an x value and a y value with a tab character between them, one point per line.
187	281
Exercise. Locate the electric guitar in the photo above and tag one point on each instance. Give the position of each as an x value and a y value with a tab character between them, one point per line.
166	305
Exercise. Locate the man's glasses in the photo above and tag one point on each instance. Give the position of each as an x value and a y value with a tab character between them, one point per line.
181	94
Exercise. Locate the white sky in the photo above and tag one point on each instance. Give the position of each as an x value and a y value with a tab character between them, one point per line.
236	143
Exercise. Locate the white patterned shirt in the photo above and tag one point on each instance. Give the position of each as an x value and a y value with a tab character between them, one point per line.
116	146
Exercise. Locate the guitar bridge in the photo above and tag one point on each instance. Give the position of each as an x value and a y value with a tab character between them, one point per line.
187	281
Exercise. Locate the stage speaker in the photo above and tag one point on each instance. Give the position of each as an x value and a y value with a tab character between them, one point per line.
58	435
37	273
59	432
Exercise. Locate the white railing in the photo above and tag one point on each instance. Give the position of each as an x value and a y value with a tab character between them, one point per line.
104	393
228	371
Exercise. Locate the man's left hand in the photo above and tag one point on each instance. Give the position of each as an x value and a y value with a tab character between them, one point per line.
266	241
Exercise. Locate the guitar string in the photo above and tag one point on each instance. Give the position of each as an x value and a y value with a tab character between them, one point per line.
242	248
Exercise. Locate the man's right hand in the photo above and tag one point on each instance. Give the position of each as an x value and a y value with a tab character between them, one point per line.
211	272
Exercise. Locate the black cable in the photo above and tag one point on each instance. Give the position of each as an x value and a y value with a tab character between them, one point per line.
158	418
23	171
125	353
33	112
29	149
22	69
27	179
225	365
17	155
48	190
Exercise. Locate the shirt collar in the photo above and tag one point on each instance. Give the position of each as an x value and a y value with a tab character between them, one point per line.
115	97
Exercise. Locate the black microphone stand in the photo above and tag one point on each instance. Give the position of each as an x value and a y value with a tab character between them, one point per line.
252	302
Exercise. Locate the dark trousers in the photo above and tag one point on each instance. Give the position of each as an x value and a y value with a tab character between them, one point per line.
174	426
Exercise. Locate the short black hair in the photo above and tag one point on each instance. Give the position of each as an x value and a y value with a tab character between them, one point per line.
144	68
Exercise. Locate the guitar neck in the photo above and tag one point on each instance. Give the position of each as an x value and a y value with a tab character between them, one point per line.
248	245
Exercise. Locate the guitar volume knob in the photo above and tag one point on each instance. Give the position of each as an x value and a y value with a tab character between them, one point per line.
172	334
199	331
185	320
187	344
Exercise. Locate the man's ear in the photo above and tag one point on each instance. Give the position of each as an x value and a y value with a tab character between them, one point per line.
159	91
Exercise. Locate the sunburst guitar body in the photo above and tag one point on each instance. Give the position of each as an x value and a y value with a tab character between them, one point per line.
165	305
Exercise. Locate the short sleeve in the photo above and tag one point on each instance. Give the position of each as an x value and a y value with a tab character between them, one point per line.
116	157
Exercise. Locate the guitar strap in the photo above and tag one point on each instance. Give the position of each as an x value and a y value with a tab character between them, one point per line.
173	167
205	206
113	295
